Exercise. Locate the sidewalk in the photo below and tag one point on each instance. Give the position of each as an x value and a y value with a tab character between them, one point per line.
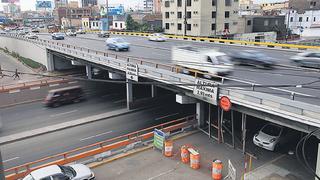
151	164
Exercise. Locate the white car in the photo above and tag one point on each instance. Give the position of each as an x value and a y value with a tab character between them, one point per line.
307	59
32	36
71	32
80	31
157	37
271	136
57	172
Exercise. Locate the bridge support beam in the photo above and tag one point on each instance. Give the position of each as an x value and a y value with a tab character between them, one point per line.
129	93
200	114
50	62
154	91
89	71
244	132
318	162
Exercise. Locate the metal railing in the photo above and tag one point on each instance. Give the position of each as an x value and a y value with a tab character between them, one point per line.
116	143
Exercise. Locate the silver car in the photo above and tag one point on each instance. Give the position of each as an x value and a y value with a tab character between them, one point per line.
307	59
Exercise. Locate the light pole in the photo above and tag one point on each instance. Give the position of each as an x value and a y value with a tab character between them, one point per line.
288	23
185	18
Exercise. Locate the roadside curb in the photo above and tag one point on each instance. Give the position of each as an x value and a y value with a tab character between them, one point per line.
133	152
58	127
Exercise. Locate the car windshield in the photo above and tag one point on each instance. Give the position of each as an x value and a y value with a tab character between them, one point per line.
119	40
59	34
68	171
271	130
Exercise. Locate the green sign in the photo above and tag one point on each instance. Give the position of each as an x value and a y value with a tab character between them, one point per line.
158	139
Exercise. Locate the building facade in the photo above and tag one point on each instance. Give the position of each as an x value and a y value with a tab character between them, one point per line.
88	3
157	6
148	5
200	18
275	6
60	3
303	5
71	13
304	24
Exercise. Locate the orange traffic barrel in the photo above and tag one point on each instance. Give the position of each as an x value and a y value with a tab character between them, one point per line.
217	169
194	159
168	148
185	157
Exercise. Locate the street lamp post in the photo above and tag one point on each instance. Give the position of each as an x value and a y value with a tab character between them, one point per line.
288	23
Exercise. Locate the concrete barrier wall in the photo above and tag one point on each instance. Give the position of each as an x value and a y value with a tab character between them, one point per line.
25	49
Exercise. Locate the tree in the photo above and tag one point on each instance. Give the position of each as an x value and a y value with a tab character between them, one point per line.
131	24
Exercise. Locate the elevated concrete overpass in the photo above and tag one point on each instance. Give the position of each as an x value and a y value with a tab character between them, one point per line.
294	106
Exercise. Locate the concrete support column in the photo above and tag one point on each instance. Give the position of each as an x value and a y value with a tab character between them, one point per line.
154	92
200	114
318	162
244	132
129	93
1	167
50	62
89	71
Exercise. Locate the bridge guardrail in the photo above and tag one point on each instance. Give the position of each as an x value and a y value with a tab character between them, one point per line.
109	145
170	74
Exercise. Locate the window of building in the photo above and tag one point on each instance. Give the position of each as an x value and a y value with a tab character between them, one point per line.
214	14
188	15
249	23
307	19
120	25
226	14
291	19
179	15
179	26
214	2
167	15
167	26
179	3
115	24
188	2
226	25
266	22
314	19
167	4
300	19
227	2
213	27
313	3
189	27
276	22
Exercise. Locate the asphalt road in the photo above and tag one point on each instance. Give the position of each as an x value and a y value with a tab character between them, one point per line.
49	144
161	52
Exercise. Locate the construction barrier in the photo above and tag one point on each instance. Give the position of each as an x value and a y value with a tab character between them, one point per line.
217	169
194	159
185	155
99	149
168	148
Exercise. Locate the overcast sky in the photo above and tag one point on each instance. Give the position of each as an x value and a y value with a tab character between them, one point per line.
30	4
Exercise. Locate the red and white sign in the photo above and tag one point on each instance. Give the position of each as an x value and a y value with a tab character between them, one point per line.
225	103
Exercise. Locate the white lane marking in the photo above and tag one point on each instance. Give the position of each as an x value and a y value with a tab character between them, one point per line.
52	85
162	117
72	82
34	88
120	101
101	134
64	113
14	91
161	174
11	159
108	95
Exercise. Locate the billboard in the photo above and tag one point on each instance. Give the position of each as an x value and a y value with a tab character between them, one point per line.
10	1
43	4
112	11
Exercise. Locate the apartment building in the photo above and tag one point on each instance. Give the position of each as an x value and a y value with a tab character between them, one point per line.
148	5
200	17
304	5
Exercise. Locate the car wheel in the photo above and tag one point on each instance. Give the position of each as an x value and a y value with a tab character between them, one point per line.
56	104
76	100
117	49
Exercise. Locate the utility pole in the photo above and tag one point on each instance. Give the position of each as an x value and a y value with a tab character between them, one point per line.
288	27
185	18
215	19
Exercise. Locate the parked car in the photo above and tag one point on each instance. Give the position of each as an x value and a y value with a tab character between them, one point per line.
32	36
271	136
57	36
58	97
58	172
253	58
3	32
80	31
71	32
117	44
22	32
157	37
104	34
307	59
35	30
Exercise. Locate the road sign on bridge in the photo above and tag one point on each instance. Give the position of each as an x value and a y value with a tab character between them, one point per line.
132	72
206	90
